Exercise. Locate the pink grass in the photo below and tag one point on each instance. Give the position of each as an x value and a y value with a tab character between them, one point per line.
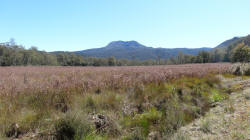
15	80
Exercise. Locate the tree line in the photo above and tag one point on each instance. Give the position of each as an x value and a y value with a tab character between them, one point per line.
239	52
15	55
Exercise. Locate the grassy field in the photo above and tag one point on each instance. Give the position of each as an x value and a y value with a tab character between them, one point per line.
129	103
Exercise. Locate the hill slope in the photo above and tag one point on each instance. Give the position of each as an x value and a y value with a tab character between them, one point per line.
135	50
227	42
234	42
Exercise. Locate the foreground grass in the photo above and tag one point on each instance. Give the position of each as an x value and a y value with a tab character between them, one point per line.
151	110
228	120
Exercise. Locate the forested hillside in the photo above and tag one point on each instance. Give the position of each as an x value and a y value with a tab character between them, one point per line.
237	50
227	42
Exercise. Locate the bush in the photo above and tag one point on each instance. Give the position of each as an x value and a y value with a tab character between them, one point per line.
240	69
69	128
144	120
216	96
64	130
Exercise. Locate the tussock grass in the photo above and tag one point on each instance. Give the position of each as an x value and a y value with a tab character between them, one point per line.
65	109
206	126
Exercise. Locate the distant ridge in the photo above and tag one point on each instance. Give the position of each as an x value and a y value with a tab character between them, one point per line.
227	42
234	42
132	44
135	51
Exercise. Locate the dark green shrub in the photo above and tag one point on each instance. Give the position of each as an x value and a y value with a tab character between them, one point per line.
64	130
71	128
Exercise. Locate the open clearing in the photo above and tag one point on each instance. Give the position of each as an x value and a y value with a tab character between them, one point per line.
154	102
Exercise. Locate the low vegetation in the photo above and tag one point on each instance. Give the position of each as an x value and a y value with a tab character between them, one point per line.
229	119
105	103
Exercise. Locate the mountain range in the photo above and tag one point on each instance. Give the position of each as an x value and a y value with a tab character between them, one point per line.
135	51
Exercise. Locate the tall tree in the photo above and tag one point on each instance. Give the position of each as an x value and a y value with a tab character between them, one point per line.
241	53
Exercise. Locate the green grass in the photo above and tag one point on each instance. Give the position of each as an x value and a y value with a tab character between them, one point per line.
227	75
217	96
145	120
238	136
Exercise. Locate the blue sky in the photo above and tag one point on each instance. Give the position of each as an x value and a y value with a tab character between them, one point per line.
69	25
